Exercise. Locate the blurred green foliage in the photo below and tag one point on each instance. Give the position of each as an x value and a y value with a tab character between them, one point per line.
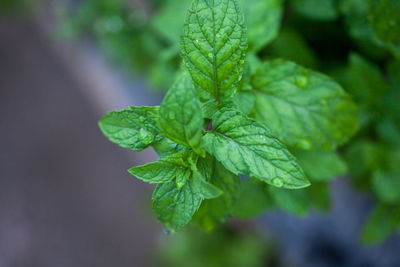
354	41
226	246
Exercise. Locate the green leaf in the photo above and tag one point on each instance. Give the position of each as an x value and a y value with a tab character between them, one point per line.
247	147
203	188
380	225
386	186
165	147
164	170
303	108
253	199
263	19
213	47
316	9
175	207
134	128
321	165
181	119
292	201
213	211
384	17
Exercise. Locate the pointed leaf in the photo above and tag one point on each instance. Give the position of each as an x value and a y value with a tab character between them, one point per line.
213	47
203	188
134	128
175	207
164	170
180	117
247	147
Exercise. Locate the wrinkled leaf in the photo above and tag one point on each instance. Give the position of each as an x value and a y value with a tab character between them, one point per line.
247	147
303	108
180	117
213	47
134	128
175	207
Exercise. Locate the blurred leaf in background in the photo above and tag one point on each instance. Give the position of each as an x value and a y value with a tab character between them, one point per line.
226	246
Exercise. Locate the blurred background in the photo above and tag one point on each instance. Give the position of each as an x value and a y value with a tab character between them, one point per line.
66	198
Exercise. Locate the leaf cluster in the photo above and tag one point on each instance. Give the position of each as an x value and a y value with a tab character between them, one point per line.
269	121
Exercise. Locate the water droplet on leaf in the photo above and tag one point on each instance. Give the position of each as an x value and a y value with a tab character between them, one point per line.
277	182
145	136
302	81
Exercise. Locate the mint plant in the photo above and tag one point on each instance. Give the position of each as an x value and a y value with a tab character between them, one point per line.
226	116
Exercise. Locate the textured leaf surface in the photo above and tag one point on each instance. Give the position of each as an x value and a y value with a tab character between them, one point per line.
246	147
263	19
166	146
175	207
303	108
164	170
181	118
134	128
213	46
